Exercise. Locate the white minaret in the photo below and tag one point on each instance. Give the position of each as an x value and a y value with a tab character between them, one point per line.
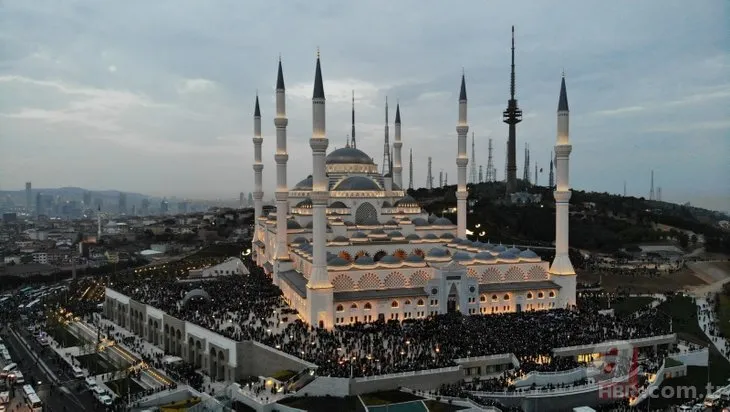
319	287
258	166
561	270
397	165
98	225
462	128
281	157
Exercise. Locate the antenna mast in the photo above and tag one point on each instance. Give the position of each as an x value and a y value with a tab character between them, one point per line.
473	169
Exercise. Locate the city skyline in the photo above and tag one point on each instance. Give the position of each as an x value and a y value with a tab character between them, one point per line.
161	103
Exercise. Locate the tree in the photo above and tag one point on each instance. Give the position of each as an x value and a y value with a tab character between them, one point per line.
694	239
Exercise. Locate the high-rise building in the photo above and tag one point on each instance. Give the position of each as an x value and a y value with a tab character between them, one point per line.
145	210
87	199
28	197
122	205
40	208
164	207
241	199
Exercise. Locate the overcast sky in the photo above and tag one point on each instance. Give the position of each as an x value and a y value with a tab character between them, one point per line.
157	96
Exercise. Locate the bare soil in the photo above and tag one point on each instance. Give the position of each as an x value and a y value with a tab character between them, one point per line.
673	282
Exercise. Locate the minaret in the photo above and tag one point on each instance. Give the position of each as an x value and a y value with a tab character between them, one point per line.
561	270
258	166
462	128
481	176
281	157
397	166
551	183
512	116
386	144
354	142
410	170
651	191
429	176
319	287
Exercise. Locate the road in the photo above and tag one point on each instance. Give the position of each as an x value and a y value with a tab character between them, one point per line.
56	396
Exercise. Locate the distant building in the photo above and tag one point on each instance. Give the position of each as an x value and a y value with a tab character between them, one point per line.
164	207
87	199
523	198
28	197
39	206
122	205
10	217
232	266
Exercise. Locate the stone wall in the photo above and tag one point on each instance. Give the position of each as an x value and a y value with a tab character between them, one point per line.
258	359
425	380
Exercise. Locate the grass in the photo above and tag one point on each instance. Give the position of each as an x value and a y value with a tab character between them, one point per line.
434	406
96	364
670	363
283	375
387	397
325	403
120	387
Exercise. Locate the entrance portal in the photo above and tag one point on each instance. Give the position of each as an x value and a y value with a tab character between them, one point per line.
518	308
452	303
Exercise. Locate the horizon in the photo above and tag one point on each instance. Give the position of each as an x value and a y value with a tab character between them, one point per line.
161	103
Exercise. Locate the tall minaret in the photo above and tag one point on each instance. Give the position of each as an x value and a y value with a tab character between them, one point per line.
386	144
462	128
258	166
551	183
281	157
319	287
561	270
512	116
410	170
354	142
397	166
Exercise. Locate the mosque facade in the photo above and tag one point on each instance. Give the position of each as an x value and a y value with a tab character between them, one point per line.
347	244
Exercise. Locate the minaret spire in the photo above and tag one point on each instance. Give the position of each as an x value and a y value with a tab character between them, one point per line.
386	144
462	160
281	158
397	145
258	167
354	142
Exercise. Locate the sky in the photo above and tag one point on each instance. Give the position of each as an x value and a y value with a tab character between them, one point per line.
157	96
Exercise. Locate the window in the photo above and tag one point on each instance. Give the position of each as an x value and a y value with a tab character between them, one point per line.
368	306
394	304
540	295
529	295
408	302
482	298
435	302
420	302
506	296
340	308
353	306
551	294
494	298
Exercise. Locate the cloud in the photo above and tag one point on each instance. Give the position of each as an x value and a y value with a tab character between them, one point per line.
196	86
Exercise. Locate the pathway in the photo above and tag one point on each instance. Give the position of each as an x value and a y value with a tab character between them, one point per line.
706	320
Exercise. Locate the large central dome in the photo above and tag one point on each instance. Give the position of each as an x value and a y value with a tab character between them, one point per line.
348	155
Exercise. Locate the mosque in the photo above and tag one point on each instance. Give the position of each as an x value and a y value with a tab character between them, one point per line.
348	245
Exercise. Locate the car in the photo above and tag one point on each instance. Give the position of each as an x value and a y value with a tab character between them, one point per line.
105	400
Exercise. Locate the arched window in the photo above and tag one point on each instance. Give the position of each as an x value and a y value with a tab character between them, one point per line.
506	296
420	302
368	306
340	308
540	295
529	295
394	304
483	298
353	306
495	298
408	302
551	294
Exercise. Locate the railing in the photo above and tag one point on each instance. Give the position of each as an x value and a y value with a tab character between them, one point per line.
406	374
286	355
636	341
552	373
543	391
459	401
510	356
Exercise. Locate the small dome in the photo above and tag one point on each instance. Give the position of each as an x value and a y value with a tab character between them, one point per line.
306	248
364	260
446	236
310	225
387	204
528	254
507	256
330	255
406	201
462	257
377	232
390	260
272	217
442	221
338	205
348	155
437	252
358	183
395	234
419	221
432	218
391	222
499	248
359	235
430	236
485	257
487	246
305	184
413	236
292	224
514	250
299	241
341	239
348	223
413	258
338	261
305	204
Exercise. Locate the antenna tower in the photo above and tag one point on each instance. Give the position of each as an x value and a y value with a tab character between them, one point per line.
354	142
410	171
512	115
624	188
659	194
429	176
386	145
481	175
651	191
446	179
506	162
441	178
526	171
551	183
473	169
491	170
